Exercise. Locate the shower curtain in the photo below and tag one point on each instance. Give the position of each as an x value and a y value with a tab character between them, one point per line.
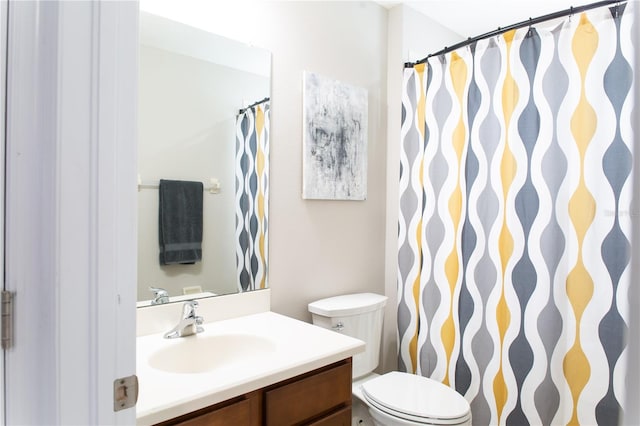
252	195
515	220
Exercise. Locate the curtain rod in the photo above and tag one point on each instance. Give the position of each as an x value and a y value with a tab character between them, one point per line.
572	10
242	110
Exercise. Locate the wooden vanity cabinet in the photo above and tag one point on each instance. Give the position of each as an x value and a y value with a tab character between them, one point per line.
320	397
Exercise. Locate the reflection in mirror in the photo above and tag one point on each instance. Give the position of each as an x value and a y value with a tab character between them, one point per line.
203	116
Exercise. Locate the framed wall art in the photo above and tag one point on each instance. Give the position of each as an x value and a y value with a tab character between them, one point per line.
335	119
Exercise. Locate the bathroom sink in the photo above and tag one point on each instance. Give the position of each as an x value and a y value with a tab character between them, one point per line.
203	353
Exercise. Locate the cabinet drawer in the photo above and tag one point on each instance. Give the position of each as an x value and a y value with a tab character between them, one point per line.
339	418
235	414
245	411
308	397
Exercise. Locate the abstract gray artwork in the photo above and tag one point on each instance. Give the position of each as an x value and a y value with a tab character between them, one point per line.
335	139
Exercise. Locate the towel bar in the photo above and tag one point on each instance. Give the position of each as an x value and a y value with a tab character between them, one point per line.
213	188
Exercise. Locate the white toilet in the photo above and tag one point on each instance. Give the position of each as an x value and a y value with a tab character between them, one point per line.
393	398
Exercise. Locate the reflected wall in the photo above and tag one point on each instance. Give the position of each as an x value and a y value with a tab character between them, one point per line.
188	101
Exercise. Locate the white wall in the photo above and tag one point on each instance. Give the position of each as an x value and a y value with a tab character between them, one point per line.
187	110
412	36
324	248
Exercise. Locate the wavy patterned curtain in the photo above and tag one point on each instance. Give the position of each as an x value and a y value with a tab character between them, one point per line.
252	196
515	220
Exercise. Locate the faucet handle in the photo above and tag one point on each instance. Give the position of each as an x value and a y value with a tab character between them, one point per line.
158	291
189	308
160	295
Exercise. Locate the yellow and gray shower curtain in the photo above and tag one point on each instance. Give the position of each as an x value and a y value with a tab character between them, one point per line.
516	218
252	197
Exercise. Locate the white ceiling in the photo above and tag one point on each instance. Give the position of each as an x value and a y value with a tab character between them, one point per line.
470	18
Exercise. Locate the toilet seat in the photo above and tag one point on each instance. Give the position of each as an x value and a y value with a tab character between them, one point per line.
382	413
416	399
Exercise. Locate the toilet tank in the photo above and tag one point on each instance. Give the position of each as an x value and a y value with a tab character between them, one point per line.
357	315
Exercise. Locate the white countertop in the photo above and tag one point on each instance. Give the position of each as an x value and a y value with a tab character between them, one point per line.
298	347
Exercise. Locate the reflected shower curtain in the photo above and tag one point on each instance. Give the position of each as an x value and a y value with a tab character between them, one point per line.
515	221
252	195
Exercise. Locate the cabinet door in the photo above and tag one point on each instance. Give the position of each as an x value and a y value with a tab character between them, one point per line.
309	397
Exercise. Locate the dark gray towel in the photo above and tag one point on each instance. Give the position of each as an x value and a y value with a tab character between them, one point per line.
180	221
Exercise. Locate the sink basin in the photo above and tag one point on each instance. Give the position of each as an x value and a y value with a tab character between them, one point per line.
199	354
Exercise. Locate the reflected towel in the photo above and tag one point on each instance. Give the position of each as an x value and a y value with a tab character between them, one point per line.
180	222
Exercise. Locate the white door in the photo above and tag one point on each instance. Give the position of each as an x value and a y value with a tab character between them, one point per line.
3	69
70	211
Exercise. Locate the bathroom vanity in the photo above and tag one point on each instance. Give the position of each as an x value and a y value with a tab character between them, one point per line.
260	368
320	397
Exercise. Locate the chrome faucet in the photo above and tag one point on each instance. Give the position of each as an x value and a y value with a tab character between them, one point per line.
160	296
189	323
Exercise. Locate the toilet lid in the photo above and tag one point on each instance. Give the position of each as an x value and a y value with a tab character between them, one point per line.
415	397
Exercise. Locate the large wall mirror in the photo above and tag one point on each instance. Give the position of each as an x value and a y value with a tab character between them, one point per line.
203	116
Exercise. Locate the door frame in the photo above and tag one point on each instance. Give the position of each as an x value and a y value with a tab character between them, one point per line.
70	212
3	91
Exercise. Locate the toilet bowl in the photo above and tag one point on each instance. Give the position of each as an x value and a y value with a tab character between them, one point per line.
394	398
